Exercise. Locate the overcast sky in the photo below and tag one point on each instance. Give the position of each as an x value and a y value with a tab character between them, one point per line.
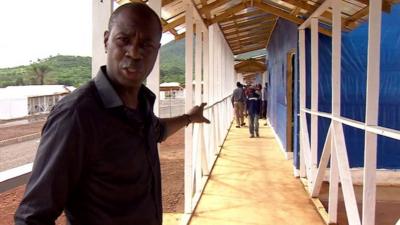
37	29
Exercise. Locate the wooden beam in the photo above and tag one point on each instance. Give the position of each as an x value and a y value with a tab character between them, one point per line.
207	14
212	6
278	12
166	2
254	31
248	50
352	21
254	13
174	24
263	26
244	24
386	6
180	36
270	34
228	12
249	35
308	7
316	14
249	43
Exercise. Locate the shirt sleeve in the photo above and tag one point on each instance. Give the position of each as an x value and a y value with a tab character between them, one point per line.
56	170
159	129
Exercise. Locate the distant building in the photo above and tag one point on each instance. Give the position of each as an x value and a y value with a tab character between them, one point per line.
21	101
171	90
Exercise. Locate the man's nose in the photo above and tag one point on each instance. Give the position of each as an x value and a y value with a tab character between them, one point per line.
134	51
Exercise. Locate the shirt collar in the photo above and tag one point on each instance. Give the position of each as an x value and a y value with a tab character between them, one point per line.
109	96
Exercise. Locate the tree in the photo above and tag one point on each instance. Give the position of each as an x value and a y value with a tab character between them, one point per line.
39	70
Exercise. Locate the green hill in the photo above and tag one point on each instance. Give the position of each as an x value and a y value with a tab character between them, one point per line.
76	70
66	70
172	62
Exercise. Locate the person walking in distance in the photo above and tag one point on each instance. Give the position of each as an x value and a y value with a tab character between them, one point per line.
253	108
238	100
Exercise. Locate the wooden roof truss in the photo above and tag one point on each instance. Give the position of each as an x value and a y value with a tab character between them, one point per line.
248	24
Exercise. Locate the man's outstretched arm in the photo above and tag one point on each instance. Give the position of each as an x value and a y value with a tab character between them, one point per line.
173	124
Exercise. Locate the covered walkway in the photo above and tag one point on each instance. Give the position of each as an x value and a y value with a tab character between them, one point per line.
253	183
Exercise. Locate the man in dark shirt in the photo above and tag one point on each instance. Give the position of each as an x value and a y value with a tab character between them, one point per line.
98	158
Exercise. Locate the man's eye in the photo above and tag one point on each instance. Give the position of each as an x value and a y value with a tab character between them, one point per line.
122	40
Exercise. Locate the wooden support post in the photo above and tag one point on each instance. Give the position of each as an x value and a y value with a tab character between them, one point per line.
333	184
101	11
345	176
314	94
336	90
153	80
197	87
302	62
372	109
188	105
326	153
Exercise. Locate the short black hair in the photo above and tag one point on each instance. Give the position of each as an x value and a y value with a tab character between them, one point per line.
238	84
144	8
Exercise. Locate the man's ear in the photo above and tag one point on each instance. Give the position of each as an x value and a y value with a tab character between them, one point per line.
106	36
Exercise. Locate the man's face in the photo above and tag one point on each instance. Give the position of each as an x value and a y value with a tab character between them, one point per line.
132	45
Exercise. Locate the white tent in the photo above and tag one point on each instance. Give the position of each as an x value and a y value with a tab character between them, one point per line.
14	99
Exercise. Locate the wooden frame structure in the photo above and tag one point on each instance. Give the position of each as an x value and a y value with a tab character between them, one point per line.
335	149
224	28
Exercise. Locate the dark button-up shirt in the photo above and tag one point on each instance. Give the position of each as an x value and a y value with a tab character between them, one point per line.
97	160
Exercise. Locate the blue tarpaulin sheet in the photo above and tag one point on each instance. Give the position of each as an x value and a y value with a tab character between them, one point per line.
353	86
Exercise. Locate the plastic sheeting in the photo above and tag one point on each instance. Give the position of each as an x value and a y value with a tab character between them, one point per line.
283	40
353	86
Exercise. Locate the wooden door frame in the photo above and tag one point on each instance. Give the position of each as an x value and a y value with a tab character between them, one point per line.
290	68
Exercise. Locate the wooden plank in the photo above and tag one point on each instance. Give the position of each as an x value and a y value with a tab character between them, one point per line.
198	63
306	151
213	5
15	177
372	109
314	91
302	93
308	7
278	12
285	15
253	28
322	8
352	21
245	15
245	24
166	2
207	14
174	24
345	175
228	12
260	33
272	30
188	105
319	177
385	5
333	185
248	50
336	55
